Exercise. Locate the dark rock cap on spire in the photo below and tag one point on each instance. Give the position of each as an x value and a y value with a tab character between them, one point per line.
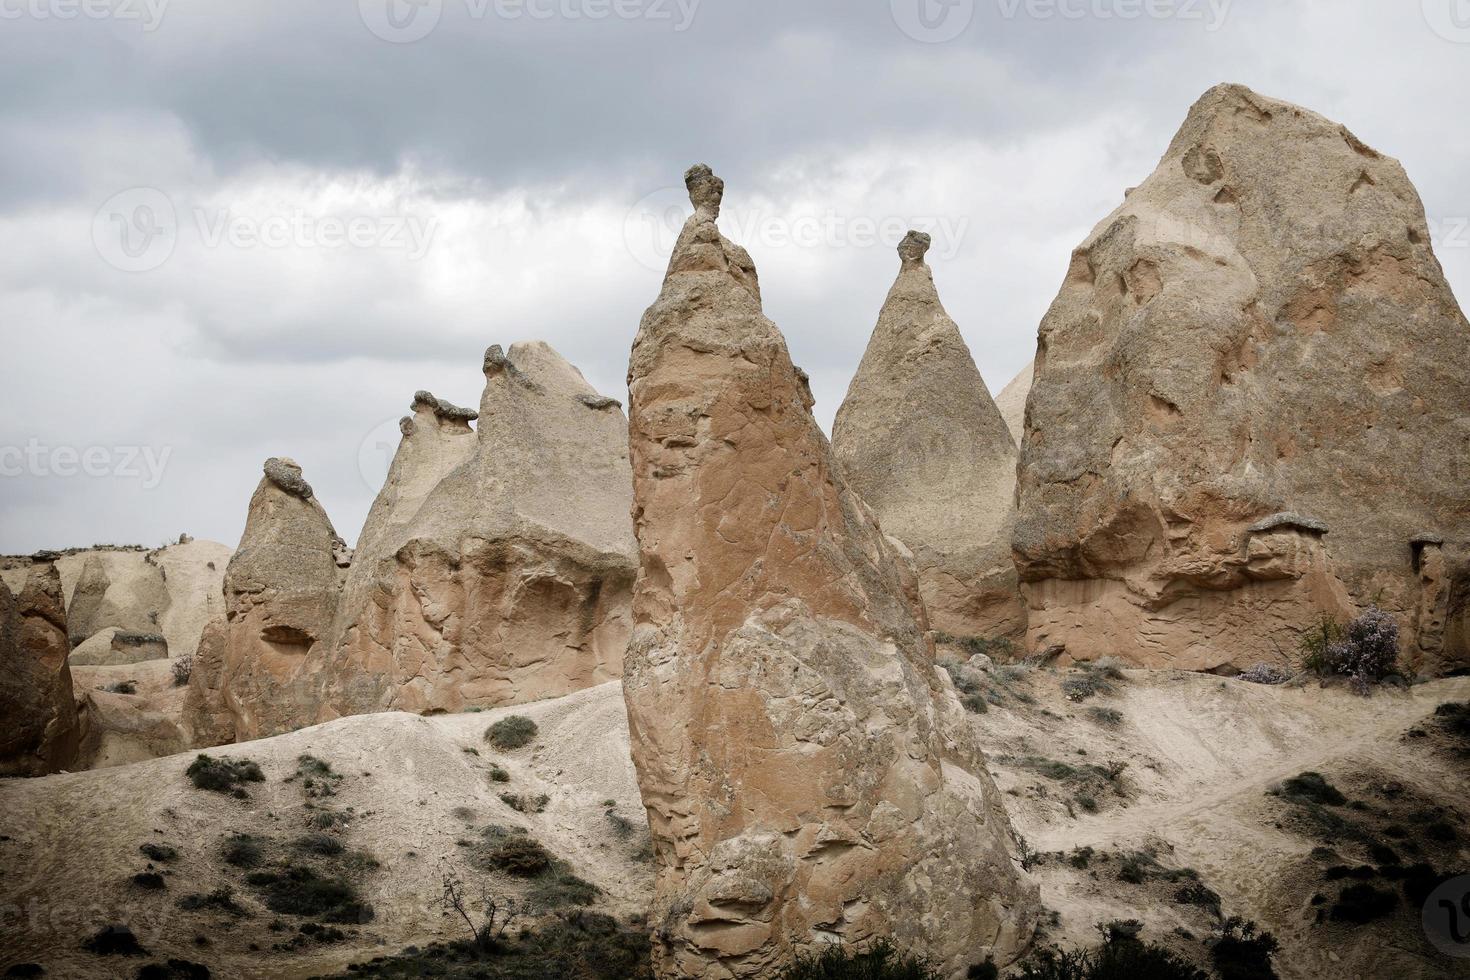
706	191
914	247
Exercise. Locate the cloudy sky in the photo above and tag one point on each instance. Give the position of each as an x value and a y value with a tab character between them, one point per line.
242	229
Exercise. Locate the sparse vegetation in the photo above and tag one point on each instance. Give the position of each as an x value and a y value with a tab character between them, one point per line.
243	851
1121	956
558	888
511	732
120	687
880	960
1264	673
1091	679
525	803
174	969
161	853
318	843
1362	903
512	852
1106	717
486	915
1365	650
182	668
114	940
498	774
302	891
1243	953
1312	787
221	899
148	881
223	775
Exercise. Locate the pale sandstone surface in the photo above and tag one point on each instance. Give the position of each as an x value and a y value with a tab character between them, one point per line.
1261	328
497	564
921	441
39	728
1012	401
252	672
807	771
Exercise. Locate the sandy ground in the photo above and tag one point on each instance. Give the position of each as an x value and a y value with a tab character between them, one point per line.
70	843
1200	753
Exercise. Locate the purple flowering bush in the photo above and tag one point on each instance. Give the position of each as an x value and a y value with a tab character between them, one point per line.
1366	650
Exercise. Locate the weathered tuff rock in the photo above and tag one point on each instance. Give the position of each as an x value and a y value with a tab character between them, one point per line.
251	676
921	441
171	591
39	728
808	772
497	564
1012	402
1261	328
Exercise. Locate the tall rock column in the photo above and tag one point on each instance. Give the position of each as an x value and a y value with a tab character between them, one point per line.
252	674
808	772
1249	404
39	729
920	439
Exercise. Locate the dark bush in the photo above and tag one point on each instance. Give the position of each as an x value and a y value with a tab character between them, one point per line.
300	891
114	940
222	899
1363	903
1197	893
223	775
174	970
513	853
1107	717
559	888
243	851
511	732
323	844
149	881
26	970
121	687
1120	957
1314	788
182	668
878	961
525	803
498	774
1243	953
161	853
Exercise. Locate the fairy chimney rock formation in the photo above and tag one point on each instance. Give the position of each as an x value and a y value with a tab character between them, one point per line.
251	674
920	439
39	728
1261	328
497	564
808	772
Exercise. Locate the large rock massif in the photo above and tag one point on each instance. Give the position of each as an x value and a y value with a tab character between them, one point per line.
252	675
808	772
920	439
39	728
497	565
1249	406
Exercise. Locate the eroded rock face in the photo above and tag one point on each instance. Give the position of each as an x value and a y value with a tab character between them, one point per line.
1012	402
497	565
920	439
1261	328
252	676
807	770
39	728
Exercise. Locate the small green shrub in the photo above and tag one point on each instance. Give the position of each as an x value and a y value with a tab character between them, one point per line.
559	888
514	854
1122	956
1081	857
525	803
511	732
223	775
1106	717
498	774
